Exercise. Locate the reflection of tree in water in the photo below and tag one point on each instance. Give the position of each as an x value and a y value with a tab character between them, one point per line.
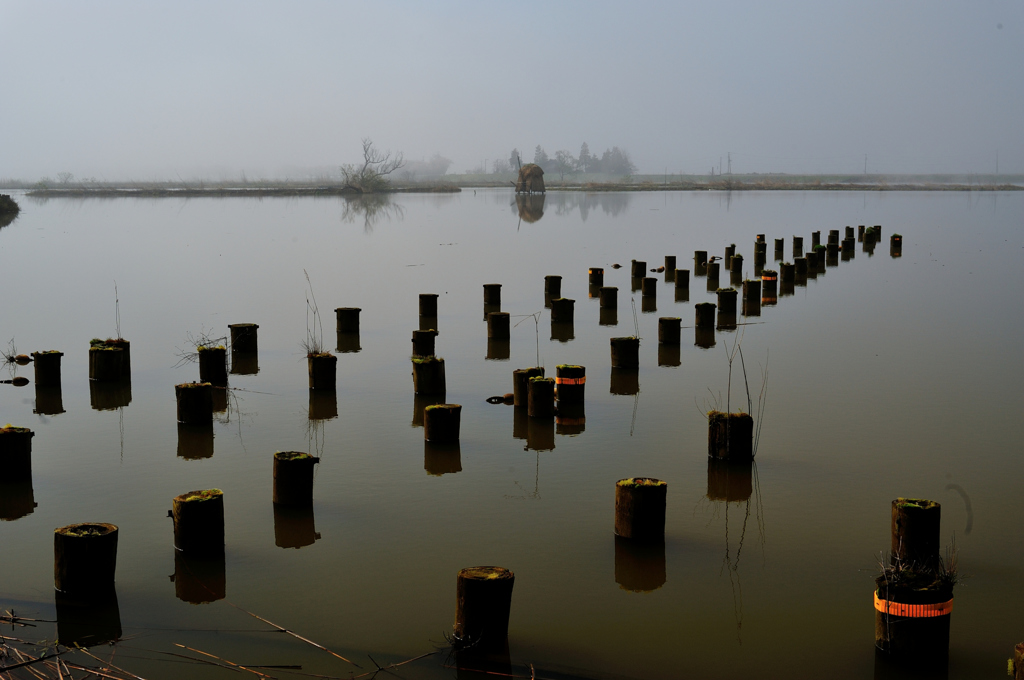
529	495
565	202
722	499
371	209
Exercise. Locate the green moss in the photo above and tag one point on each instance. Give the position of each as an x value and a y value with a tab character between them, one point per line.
633	482
95	342
201	495
193	384
292	455
537	378
83	530
14	428
444	406
426	360
726	290
916	503
204	348
565	366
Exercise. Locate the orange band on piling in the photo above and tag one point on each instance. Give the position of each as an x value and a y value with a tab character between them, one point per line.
913	611
766	277
570	421
570	381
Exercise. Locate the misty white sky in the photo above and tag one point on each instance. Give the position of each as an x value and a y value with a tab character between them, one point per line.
120	90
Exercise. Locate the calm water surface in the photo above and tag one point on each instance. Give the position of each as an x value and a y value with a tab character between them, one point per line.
887	377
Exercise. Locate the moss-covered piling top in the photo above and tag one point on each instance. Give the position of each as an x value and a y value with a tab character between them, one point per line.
769	272
722	415
540	378
634	482
204	348
819	247
318	355
487	573
86	529
194	384
200	496
569	367
292	455
105	348
628	338
896	236
730	289
428	360
450	407
915	503
8	428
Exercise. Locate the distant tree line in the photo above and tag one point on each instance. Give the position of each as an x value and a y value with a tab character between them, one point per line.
614	161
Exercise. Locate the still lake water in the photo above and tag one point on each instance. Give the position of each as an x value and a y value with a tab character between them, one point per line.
887	377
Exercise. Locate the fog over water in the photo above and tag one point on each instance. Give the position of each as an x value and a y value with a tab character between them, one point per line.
119	90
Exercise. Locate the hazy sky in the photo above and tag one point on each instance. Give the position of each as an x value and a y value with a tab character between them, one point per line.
136	89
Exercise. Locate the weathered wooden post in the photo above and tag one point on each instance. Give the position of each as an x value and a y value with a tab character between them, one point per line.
441	423
483	603
195	403
521	384
244	337
85	559
293	478
199	521
640	508
625	352
428	375
730	436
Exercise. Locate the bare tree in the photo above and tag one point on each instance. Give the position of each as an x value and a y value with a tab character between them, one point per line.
65	177
372	175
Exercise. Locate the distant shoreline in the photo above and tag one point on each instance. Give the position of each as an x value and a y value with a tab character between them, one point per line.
227	191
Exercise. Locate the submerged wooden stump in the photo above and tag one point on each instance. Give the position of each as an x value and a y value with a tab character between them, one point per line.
483	603
441	423
640	508
85	559
195	403
199	521
244	337
625	352
47	368
323	371
730	436
428	375
521	384
293	478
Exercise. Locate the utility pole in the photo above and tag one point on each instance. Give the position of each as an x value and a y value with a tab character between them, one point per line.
997	161
865	164
730	162
719	165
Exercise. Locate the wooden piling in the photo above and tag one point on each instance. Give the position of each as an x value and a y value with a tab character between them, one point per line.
347	319
640	509
483	603
85	559
293	478
730	436
199	521
441	423
47	368
195	403
244	337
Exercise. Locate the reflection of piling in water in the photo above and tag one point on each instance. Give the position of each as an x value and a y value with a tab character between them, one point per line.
46	366
492	294
219	398
833	236
428	375
199	522
798	247
86	623
244	363
648	305
562	332
624	381
914	595
491	308
640	509
85	559
552	288
625	352
669	330
294	526
483	602
759	262
323	371
49	401
730	436
896	246
195	403
639	566
730	481
201	579
540	434
419	404
17	497
423	343
832	255
785	288
595	276
244	337
668	355
704	337
441	423
700	263
635	283
609	317
780	245
442	459
428	304
571	419
348	343
571	384
499	326
428	323
848	249
800	270
195	442
541	402
609	297
498	350
520	422
751	306
213	365
293	478
521	384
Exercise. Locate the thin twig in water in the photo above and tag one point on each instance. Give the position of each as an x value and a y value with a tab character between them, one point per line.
229	663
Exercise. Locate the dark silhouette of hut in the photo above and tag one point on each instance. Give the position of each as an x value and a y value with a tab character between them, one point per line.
531	179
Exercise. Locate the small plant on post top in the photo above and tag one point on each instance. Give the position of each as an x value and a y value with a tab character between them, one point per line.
313	345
